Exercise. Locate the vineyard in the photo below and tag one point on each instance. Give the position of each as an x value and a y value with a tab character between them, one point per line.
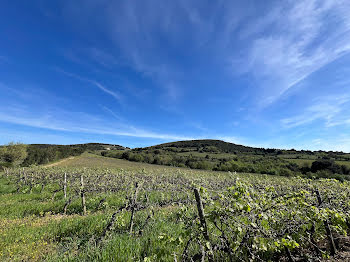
140	213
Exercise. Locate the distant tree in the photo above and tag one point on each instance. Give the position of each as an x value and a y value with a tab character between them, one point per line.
293	167
126	155
203	165
136	157
325	164
13	154
345	170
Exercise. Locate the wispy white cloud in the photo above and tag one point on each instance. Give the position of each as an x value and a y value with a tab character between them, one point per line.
280	43
294	40
341	143
79	122
50	117
136	32
329	109
67	121
94	58
101	57
163	74
106	90
25	93
119	118
116	95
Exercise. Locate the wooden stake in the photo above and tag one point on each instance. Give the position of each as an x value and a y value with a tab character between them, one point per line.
82	194
203	222
65	185
133	205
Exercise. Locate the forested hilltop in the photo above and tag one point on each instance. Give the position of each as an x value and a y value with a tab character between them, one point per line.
213	155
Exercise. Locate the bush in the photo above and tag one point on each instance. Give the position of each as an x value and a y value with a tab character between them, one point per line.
326	164
13	154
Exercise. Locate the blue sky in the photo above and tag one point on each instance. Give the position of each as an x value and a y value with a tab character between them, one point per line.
137	73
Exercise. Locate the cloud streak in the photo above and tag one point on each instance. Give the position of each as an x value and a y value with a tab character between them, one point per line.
87	124
106	90
104	127
328	109
300	37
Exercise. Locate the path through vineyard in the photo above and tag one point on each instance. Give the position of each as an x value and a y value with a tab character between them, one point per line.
59	162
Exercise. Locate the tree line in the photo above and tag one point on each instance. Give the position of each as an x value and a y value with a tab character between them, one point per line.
320	168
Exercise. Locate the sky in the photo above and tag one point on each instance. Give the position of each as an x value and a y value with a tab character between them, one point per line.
270	74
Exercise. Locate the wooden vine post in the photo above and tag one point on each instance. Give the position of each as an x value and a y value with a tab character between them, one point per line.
82	194
133	206
65	185
328	229
203	222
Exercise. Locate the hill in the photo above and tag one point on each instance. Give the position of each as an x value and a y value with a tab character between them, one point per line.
218	155
212	146
215	146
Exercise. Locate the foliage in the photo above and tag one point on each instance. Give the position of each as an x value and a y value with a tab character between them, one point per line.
13	154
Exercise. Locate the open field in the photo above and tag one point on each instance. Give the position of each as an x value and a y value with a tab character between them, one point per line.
109	217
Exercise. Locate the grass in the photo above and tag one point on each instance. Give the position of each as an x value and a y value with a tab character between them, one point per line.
301	162
345	163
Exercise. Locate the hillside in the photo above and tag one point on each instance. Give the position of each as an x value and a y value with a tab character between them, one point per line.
45	153
218	155
215	146
215	155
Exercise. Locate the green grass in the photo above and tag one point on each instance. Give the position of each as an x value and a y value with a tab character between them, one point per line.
301	162
345	163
